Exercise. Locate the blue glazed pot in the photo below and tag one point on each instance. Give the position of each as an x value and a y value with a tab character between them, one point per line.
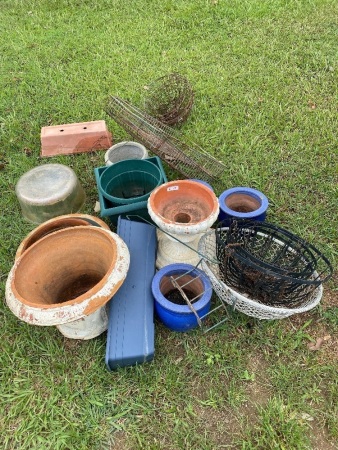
242	203
203	182
175	316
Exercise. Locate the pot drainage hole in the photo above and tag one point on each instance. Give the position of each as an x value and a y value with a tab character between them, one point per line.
182	218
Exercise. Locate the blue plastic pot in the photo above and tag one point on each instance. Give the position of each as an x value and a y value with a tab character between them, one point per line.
203	182
179	317
242	203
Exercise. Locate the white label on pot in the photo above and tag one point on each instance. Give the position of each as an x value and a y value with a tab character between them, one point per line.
173	188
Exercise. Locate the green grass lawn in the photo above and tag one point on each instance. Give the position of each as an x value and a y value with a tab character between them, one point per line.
265	75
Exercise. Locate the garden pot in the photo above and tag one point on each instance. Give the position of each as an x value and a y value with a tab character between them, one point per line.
183	210
125	150
129	181
58	223
203	182
49	191
72	138
242	203
65	277
169	304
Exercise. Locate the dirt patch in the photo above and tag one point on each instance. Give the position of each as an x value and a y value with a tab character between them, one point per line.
222	425
330	297
320	440
257	389
225	425
119	441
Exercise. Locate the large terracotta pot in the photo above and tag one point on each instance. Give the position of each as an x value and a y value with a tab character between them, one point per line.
55	224
183	210
66	277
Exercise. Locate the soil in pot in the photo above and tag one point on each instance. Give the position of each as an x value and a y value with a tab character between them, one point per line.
242	203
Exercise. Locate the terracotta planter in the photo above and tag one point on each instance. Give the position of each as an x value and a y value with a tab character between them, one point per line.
183	210
75	138
67	276
58	223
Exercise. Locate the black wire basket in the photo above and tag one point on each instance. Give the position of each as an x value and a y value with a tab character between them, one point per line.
269	263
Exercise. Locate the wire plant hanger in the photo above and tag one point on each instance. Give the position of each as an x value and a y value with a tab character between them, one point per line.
212	259
210	263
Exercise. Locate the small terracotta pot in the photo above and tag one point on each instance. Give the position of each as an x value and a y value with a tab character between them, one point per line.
67	276
58	223
183	207
183	210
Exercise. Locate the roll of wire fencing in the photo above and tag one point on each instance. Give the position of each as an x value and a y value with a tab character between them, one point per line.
169	99
189	160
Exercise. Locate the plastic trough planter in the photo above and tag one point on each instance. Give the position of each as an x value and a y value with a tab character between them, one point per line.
242	203
131	331
175	316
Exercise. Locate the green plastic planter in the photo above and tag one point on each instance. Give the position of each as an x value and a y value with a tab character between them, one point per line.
129	181
137	210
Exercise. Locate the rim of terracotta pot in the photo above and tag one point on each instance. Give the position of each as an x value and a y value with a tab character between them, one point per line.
257	197
55	224
183	207
71	245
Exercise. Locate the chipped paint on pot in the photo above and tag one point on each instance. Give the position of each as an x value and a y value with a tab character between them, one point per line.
67	275
88	327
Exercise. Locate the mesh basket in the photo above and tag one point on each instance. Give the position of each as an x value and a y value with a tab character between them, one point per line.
190	161
269	263
169	99
241	301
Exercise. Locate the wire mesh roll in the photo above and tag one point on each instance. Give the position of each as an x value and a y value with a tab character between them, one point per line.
269	263
169	99
190	160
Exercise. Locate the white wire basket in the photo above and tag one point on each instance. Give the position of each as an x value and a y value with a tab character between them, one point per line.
246	305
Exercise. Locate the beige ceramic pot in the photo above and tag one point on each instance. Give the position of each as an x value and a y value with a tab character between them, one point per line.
183	210
66	278
55	224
